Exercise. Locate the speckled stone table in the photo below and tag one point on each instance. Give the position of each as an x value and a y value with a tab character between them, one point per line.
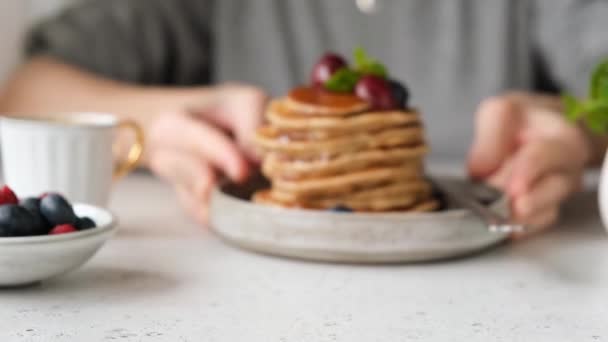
162	278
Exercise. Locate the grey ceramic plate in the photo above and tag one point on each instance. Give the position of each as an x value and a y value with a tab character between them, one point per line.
348	237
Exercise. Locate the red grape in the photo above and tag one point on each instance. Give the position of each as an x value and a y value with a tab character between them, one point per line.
326	67
377	91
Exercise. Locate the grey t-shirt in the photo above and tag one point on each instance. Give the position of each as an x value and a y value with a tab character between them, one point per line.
451	53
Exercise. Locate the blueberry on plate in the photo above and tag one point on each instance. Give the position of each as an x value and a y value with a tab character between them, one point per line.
341	209
57	210
85	223
400	93
18	221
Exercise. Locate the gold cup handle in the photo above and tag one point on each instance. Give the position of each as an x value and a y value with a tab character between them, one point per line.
136	151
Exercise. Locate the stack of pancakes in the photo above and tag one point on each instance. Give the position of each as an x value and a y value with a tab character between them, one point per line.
325	150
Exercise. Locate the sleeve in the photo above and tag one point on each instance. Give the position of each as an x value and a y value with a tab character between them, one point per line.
572	37
160	42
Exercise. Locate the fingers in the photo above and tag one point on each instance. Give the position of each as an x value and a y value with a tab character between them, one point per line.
240	109
248	109
548	193
174	167
498	124
186	147
184	171
536	159
214	146
193	180
523	146
500	178
539	208
539	223
196	209
542	178
184	132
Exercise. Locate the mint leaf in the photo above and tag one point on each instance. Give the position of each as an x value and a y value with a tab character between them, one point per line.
599	82
360	57
596	114
572	107
343	81
375	69
594	109
367	65
596	123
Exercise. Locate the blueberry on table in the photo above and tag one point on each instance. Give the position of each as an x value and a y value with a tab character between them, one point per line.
400	93
18	221
57	210
85	223
341	209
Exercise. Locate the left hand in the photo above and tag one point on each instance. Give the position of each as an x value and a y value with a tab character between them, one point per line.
192	145
524	146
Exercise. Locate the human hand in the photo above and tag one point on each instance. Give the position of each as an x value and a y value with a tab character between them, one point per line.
524	146
210	134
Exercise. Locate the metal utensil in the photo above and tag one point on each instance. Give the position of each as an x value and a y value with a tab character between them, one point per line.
472	199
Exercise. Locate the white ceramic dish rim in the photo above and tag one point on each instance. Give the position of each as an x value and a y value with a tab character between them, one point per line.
454	213
48	239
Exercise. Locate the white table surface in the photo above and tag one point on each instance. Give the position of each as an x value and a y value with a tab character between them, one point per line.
162	278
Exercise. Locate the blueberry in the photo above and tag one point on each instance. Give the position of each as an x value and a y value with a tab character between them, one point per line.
85	223
18	221
341	209
400	93
32	204
57	210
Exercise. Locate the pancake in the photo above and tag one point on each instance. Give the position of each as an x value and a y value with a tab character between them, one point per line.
346	183
322	150
268	139
388	203
399	188
426	206
313	101
275	165
380	203
282	118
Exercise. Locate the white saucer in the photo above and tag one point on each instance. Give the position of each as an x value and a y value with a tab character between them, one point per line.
348	237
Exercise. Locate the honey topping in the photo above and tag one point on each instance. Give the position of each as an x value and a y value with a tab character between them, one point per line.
321	97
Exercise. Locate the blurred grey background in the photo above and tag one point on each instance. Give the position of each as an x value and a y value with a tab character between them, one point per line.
16	16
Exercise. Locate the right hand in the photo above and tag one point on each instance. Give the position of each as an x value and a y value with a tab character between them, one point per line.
525	146
189	145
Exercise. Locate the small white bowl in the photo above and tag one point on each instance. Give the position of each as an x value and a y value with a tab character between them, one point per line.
28	260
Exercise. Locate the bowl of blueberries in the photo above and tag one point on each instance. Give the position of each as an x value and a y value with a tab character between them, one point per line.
47	236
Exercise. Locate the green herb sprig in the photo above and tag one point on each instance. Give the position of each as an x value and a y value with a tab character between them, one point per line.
345	79
366	65
593	110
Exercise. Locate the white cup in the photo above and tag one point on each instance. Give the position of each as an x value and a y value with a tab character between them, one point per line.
71	154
